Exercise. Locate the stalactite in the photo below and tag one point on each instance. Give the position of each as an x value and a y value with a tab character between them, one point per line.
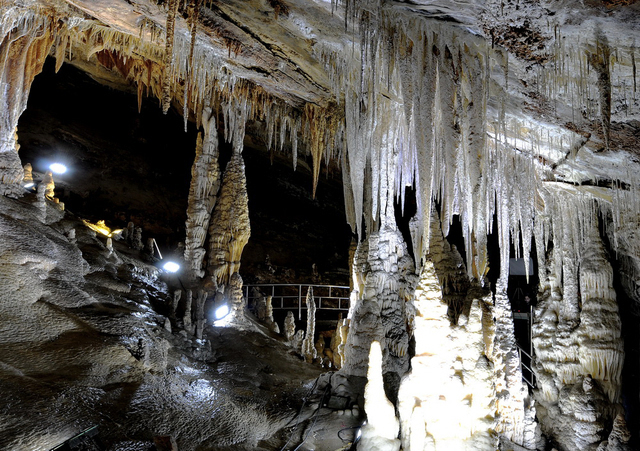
600	61
193	13
308	346
205	183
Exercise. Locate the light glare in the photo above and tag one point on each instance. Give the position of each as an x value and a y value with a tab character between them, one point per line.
28	185
171	267
221	311
58	168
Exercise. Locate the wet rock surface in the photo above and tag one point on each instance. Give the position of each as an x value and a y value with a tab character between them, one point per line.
84	344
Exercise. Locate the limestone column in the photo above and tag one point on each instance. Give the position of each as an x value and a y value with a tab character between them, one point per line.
229	229
578	358
383	281
205	183
23	48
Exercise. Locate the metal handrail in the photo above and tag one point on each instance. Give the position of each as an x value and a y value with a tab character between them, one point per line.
531	380
77	439
300	295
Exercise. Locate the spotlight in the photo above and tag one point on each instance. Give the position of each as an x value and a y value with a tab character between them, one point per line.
58	168
171	266
28	185
221	311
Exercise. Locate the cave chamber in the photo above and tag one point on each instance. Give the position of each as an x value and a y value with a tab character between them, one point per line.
464	176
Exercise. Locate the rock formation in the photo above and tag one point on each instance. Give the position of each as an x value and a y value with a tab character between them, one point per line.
237	302
579	351
205	183
229	229
289	327
384	280
186	319
381	431
309	351
25	41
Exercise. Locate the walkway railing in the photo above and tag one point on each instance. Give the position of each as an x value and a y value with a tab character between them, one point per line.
290	296
78	440
526	365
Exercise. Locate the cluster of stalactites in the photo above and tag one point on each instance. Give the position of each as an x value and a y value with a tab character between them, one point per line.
208	80
180	69
434	96
416	107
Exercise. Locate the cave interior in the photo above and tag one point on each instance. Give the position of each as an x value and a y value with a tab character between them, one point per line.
399	225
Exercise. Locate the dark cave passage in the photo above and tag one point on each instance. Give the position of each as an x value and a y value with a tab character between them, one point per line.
129	166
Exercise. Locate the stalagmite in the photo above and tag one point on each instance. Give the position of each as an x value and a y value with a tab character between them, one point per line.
319	345
343	332
237	302
260	305
177	294
516	410
384	281
269	316
447	400
382	428
48	185
200	318
229	229
289	327
298	339
136	239
619	439
41	201
27	181
308	348
205	183
186	319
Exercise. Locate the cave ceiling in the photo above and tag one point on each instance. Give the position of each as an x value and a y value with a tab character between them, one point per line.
285	53
555	81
